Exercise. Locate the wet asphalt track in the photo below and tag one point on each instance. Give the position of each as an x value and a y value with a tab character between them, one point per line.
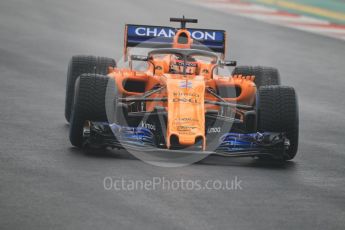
47	184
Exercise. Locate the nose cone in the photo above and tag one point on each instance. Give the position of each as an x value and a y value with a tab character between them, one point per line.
186	111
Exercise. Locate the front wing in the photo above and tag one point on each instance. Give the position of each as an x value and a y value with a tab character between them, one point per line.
102	134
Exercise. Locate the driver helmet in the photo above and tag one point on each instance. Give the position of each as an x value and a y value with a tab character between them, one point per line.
177	65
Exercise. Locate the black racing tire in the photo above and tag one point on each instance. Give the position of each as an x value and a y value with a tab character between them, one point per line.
83	64
93	101
264	76
277	111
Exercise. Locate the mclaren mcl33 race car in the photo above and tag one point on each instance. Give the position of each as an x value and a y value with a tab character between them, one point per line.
180	101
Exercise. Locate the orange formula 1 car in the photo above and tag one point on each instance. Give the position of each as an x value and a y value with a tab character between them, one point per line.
180	101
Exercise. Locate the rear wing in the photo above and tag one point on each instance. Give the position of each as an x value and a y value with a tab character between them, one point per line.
145	36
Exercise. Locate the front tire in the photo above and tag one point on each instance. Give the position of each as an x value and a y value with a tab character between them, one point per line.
93	101
277	111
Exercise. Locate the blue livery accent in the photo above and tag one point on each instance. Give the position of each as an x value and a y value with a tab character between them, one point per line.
233	142
186	84
133	135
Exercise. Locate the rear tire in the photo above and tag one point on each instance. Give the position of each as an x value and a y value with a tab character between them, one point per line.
277	108
264	76
93	98
83	64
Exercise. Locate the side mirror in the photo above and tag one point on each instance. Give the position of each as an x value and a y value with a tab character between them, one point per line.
227	63
139	58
